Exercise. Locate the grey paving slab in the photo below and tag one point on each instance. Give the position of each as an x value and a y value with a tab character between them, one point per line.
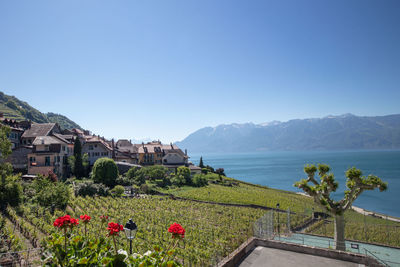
262	256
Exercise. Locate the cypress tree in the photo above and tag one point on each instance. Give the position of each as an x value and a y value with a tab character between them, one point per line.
201	164
78	171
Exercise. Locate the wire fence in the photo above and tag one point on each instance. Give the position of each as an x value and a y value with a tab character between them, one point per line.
279	226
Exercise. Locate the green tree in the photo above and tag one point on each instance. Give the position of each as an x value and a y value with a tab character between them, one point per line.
78	165
156	172
201	164
320	191
71	165
130	174
140	176
10	187
184	172
85	165
200	180
118	190
105	171
49	193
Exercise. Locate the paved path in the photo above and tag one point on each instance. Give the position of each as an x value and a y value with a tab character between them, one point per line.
262	256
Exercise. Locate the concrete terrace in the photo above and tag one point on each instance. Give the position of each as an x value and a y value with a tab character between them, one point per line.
264	256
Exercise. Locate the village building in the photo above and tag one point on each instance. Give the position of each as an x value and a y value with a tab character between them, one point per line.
150	153
194	169
173	155
19	158
17	129
49	154
39	129
96	148
125	151
156	153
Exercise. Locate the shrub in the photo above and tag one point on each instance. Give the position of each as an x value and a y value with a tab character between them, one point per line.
220	171
125	181
177	180
130	174
89	188
147	189
11	191
150	173
118	190
105	171
200	180
185	173
49	193
204	170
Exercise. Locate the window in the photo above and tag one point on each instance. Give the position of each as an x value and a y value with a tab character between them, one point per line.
47	161
90	147
46	148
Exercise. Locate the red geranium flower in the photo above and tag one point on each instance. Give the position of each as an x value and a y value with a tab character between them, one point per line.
65	221
85	218
177	230
114	228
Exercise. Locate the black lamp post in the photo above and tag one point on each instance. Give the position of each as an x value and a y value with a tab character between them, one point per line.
130	230
279	227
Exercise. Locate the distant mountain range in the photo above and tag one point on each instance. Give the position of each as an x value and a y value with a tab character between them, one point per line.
329	133
13	108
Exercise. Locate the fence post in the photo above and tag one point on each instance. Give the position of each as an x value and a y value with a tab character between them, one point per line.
387	230
365	227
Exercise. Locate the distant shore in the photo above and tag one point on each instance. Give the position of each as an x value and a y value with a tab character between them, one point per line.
366	212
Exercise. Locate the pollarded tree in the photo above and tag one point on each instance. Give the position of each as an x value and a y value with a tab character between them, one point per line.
320	191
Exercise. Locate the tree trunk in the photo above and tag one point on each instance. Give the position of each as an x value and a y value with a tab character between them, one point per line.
339	233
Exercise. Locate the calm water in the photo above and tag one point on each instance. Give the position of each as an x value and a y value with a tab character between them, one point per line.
281	169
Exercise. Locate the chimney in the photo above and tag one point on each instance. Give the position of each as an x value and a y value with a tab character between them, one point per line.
172	147
185	152
113	151
130	141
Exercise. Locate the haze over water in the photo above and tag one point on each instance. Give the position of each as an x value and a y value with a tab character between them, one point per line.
281	169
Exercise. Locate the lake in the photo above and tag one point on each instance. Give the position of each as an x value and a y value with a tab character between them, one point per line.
281	169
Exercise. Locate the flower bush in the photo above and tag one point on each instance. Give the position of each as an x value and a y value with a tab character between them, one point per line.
65	222
114	229
85	218
97	250
177	230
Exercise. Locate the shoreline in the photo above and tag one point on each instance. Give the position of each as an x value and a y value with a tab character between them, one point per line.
366	212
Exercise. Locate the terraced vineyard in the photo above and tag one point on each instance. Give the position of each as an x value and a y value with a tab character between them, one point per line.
248	194
363	228
212	231
358	227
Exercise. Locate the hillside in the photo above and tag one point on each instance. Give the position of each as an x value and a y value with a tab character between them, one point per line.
13	108
329	133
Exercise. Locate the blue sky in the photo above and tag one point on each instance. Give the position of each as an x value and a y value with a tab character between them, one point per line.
163	69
